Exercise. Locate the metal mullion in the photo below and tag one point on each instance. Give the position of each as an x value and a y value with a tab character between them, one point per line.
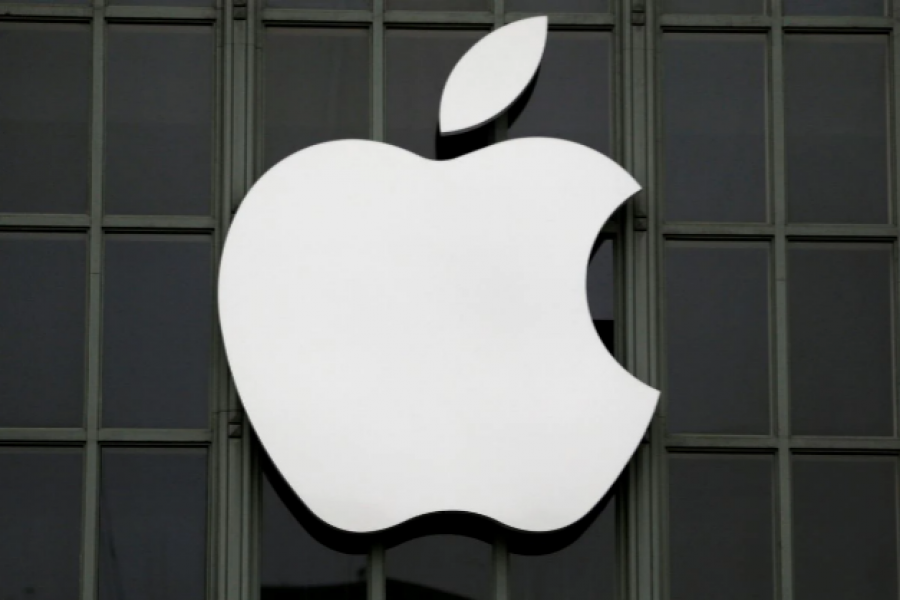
717	22
375	561
729	231
575	20
133	436
839	24
847	445
841	232
639	228
42	435
438	17
90	530
158	223
299	15
165	14
721	442
16	12
783	550
18	222
894	146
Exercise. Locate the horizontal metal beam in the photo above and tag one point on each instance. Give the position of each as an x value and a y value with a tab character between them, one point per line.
156	436
158	223
42	435
161	13
48	12
24	222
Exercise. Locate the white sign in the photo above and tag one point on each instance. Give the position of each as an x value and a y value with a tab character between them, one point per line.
411	336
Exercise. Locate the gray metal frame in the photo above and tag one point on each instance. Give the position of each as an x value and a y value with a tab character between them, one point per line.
640	232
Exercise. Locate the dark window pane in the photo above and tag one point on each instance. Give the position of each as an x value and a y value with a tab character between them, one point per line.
153	524
714	115
845	528
720	527
329	4
438	4
295	566
316	88
836	124
40	521
601	292
834	7
451	567
418	63
839	302
717	338
157	321
714	7
159	103
42	319
45	76
584	570
572	95
558	5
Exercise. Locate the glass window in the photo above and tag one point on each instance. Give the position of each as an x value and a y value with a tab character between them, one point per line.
418	63
717	338
714	120
45	76
845	527
440	566
558	5
834	7
159	117
40	517
720	527
295	561
153	524
316	87
836	103
715	7
571	97
841	353
581	568
601	291
42	319
157	331
438	4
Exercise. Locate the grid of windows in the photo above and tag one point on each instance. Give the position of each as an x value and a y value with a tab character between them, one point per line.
755	284
777	245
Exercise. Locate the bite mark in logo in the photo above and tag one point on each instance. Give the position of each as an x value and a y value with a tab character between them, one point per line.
412	336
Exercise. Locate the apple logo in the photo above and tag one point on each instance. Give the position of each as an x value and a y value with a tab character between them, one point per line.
412	336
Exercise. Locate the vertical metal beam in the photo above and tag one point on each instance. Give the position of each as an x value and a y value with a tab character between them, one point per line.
778	208
91	523
375	576
378	83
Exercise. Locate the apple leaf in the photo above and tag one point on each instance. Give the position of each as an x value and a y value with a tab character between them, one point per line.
492	75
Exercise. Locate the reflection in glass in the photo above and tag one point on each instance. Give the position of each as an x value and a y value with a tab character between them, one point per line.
841	348
157	326
863	8
601	292
438	4
558	5
316	87
714	119
418	63
42	320
844	521
294	565
585	569
439	567
717	338
45	78
571	97
836	107
153	524
159	116
40	521
721	527
715	7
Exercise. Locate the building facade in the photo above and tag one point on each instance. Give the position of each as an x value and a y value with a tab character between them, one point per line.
753	281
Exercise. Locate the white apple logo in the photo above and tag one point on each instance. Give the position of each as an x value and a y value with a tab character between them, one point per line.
411	336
